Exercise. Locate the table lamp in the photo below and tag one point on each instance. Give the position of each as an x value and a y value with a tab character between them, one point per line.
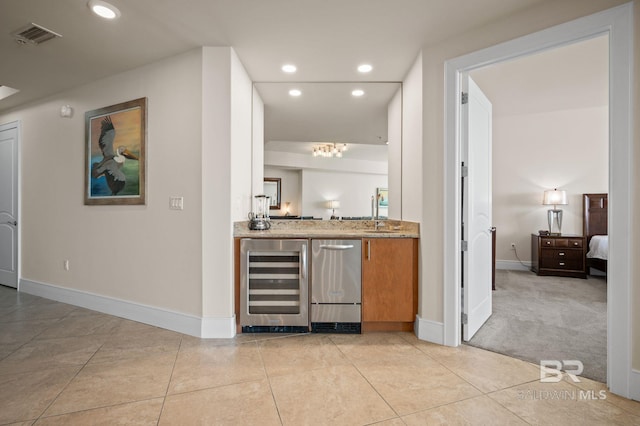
554	216
333	205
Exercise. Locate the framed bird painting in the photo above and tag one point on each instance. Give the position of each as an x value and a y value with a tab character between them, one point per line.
115	154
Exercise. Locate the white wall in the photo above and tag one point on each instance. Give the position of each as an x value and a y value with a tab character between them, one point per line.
635	230
534	152
216	155
290	189
257	129
352	180
307	161
241	138
144	262
226	150
143	254
395	155
413	178
307	190
353	190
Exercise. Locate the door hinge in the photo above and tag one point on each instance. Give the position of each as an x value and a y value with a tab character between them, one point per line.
465	319
465	98
464	171
463	245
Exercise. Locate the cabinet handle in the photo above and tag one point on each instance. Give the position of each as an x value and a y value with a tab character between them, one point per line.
561	263
548	243
368	249
575	243
561	254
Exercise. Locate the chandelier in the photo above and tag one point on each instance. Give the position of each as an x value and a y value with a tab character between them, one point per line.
329	150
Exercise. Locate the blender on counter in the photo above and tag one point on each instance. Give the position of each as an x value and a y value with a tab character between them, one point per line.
259	217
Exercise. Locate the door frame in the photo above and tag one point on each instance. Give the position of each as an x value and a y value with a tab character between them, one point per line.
6	126
618	24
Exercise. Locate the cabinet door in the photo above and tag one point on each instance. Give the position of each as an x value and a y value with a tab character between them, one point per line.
388	277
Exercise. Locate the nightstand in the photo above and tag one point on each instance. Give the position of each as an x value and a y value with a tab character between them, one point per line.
559	255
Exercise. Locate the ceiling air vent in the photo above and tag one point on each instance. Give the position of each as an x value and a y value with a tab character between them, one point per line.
34	34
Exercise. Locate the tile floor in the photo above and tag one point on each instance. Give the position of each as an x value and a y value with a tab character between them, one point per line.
64	365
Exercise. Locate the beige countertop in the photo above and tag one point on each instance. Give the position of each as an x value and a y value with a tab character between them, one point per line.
330	229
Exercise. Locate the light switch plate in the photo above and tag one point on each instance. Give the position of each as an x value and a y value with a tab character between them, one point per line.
176	203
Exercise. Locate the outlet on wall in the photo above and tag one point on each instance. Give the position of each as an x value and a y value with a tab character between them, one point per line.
65	264
513	246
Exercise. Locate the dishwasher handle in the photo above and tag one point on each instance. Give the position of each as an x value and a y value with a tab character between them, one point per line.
336	246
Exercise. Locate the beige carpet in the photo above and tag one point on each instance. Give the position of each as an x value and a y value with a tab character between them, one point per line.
550	318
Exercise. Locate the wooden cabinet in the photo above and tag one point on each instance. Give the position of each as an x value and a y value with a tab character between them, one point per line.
389	283
560	255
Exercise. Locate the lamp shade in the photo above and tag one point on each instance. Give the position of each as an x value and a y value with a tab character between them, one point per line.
334	204
554	197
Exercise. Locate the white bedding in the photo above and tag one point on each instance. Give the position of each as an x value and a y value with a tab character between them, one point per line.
599	247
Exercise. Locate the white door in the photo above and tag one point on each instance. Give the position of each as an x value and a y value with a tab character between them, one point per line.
476	114
9	204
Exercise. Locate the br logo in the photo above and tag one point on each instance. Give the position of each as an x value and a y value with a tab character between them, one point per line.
551	370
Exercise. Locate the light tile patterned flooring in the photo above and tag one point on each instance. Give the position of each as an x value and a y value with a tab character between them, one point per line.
63	365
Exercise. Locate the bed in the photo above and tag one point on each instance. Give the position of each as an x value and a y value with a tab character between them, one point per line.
594	227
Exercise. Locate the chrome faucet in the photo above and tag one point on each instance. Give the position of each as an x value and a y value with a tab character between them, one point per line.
377	224
375	212
373	209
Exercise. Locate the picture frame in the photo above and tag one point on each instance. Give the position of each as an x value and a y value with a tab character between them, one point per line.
115	154
272	190
382	195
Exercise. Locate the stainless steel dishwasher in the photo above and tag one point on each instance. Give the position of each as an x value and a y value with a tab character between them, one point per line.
336	289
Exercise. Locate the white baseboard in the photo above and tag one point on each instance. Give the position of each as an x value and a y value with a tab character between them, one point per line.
218	328
513	265
634	386
158	317
428	330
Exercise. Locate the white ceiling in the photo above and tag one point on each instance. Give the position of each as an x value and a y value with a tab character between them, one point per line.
570	77
327	112
326	39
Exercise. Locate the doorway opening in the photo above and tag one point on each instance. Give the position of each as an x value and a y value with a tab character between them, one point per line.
618	24
550	130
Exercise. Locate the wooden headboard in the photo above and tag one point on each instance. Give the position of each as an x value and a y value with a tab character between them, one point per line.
595	214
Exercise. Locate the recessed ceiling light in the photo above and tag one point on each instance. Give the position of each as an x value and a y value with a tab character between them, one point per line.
358	92
289	68
364	68
103	9
295	92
